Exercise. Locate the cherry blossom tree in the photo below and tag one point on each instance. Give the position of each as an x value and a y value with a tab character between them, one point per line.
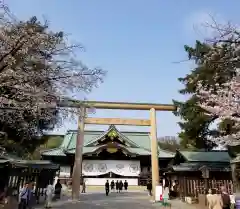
37	67
224	102
223	99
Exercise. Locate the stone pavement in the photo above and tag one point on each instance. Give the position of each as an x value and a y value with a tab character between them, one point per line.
125	200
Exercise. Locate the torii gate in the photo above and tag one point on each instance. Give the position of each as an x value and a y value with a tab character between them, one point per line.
82	120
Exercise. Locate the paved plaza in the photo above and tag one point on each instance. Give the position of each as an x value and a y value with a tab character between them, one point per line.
125	200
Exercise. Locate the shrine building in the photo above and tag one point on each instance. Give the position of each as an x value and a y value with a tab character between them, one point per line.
109	155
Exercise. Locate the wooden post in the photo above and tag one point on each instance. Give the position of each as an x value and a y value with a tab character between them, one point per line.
154	150
235	164
77	169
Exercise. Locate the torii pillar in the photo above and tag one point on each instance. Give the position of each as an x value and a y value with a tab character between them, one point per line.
154	150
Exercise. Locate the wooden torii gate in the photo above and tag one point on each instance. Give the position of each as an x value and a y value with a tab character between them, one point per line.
82	120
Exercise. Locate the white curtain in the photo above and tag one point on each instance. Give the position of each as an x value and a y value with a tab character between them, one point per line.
65	171
120	167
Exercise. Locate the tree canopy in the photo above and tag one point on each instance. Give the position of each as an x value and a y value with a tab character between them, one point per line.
169	144
208	71
222	99
37	67
195	124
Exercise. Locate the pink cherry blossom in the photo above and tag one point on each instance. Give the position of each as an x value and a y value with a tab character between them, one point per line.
223	100
37	67
224	103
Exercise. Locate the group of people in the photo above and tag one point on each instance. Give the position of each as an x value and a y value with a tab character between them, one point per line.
26	195
118	185
218	200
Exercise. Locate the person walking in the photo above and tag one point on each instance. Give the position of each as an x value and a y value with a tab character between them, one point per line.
226	201
112	185
149	187
58	190
125	185
24	197
117	186
31	197
107	188
215	202
84	187
120	187
209	198
49	195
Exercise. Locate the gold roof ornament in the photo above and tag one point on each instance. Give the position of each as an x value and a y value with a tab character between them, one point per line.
112	150
112	134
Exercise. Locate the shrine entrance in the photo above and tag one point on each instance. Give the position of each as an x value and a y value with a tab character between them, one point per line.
151	122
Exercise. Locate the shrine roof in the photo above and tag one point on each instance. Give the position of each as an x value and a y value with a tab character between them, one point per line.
33	164
183	167
204	156
36	164
139	143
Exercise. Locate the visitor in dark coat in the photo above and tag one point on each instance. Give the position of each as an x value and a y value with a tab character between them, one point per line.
112	185
117	186
58	189
107	188
125	185
120	186
149	187
226	200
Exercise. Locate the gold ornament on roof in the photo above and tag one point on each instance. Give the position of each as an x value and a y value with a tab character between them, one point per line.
112	134
112	150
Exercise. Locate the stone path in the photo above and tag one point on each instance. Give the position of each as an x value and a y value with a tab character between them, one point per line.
126	200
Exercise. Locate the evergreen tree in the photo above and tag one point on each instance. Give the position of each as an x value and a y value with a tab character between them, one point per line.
169	143
195	123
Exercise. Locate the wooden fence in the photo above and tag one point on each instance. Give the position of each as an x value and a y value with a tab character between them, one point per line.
193	187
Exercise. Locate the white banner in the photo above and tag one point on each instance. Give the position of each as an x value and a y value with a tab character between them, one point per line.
119	167
65	171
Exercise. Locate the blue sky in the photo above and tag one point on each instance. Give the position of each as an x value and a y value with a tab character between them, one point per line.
137	41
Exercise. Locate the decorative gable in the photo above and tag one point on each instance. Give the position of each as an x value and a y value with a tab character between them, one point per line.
112	135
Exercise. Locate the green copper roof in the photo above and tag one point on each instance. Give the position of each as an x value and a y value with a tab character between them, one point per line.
196	166
141	139
88	136
85	150
212	156
139	143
